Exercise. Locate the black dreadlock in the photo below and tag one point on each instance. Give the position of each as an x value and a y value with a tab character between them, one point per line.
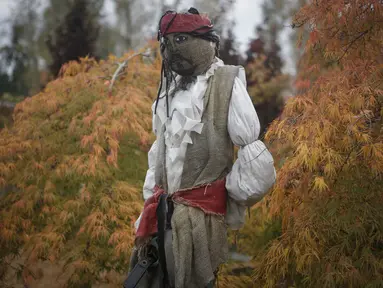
166	71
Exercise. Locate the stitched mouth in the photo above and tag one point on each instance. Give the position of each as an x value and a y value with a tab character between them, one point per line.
181	65
177	58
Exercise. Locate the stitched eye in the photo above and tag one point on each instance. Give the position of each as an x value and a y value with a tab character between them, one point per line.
180	39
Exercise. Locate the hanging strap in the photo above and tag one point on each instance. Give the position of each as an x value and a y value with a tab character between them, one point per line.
137	273
140	269
161	224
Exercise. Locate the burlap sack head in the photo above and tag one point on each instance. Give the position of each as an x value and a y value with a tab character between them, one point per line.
188	55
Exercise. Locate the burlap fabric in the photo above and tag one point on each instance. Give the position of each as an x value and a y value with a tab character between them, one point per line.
188	55
199	246
211	155
199	240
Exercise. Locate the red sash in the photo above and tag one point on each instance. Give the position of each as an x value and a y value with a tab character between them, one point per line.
210	198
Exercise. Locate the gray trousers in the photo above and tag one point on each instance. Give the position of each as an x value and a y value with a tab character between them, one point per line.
170	260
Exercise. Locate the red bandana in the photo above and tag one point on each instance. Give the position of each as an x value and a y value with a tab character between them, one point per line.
173	22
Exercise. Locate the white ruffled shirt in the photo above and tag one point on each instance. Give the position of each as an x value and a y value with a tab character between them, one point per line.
186	109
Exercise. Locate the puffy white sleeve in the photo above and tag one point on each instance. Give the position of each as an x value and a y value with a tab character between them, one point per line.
149	179
253	172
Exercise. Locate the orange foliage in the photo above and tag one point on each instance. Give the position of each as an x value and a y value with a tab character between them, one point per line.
328	189
66	193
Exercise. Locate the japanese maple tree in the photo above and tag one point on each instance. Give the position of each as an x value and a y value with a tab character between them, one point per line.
72	167
329	187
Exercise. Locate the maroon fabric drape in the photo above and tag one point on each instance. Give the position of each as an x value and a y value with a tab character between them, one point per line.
209	198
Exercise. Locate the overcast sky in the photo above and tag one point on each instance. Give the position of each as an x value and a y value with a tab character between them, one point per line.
247	15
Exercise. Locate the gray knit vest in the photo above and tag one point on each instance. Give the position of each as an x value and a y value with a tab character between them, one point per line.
211	155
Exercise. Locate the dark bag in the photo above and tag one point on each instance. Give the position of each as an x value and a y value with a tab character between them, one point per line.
146	272
150	271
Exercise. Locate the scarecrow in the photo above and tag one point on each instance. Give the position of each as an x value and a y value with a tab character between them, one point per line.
194	190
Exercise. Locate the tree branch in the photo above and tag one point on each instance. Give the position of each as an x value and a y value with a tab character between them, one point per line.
352	43
122	66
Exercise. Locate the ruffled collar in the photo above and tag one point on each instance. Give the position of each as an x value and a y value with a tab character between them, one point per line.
161	116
